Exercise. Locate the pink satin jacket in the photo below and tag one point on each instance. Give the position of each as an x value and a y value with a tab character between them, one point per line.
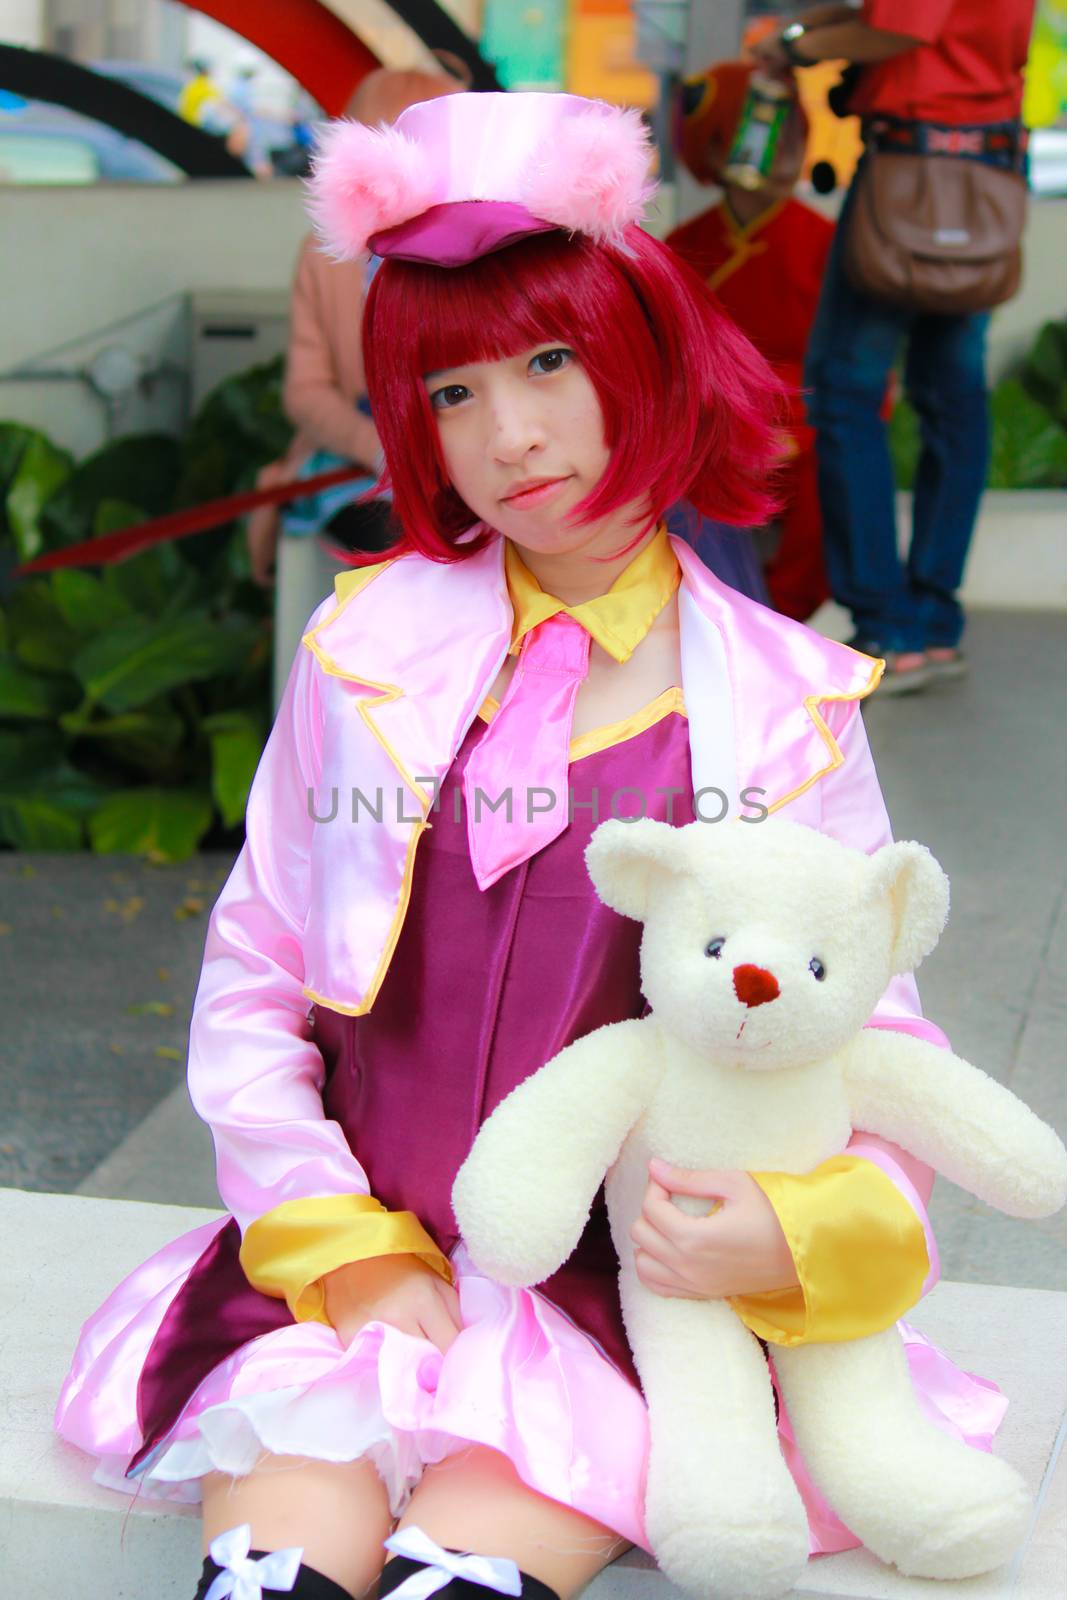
388	681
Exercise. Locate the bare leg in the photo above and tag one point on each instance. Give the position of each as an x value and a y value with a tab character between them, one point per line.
337	1512
916	1497
476	1501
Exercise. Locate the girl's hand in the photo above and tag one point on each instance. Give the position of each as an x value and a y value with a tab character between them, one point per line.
739	1250
398	1290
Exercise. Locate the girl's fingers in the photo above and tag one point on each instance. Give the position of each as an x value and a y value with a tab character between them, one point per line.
705	1185
661	1280
654	1243
663	1215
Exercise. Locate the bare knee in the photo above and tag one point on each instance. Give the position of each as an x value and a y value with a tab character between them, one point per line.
336	1512
476	1501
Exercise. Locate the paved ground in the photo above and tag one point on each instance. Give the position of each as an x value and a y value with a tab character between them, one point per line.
100	956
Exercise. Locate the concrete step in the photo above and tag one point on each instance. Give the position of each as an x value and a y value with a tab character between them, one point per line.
64	1538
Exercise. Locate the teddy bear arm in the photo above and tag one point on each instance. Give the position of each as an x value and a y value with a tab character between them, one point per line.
524	1193
958	1120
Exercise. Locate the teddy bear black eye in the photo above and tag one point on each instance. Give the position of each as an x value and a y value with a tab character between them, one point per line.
714	948
816	968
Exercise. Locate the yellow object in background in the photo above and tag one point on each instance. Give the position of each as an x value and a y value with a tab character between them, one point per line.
600	58
196	94
830	138
1045	96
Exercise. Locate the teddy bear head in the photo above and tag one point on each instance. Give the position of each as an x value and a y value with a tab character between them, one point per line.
771	943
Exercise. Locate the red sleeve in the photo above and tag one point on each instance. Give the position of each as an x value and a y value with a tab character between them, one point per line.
925	20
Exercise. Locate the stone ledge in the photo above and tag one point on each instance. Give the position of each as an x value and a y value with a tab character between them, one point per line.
64	1538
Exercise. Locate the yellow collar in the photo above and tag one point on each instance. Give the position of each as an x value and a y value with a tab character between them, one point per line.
618	620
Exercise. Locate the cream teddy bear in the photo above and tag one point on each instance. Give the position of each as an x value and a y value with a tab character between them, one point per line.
765	950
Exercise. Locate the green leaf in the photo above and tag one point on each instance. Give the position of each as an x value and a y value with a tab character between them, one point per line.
163	824
239	427
138	660
14	437
42	807
153	582
41	471
140	470
5	634
30	823
114	515
237	740
1029	445
40	636
1046	361
904	443
31	696
144	739
85	603
28	754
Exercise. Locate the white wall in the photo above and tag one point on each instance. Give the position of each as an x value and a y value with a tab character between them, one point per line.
22	22
75	260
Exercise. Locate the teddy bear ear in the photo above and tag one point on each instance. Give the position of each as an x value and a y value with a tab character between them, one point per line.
624	857
918	889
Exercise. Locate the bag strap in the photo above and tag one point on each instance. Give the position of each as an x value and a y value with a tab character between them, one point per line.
994	144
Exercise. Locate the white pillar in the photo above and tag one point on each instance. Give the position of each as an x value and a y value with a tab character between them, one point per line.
714	34
23	23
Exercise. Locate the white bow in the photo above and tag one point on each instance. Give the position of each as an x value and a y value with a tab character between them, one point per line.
243	1579
439	1566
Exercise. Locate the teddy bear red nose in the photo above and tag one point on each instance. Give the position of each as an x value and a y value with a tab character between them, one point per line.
753	985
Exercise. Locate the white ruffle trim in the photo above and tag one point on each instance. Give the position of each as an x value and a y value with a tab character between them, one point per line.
329	1423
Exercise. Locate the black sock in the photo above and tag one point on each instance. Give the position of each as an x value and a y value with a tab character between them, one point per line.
401	1567
309	1585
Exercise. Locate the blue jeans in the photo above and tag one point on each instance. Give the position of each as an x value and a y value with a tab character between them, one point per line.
853	345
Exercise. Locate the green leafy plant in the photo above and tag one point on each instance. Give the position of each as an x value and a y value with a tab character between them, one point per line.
134	698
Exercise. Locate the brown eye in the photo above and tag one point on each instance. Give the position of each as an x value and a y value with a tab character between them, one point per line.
714	949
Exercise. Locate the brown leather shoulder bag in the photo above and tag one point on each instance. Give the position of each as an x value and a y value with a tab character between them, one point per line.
935	232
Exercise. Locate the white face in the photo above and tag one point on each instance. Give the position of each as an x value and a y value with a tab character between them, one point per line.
764	974
532	419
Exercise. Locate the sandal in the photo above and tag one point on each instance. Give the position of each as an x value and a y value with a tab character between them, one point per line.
947	662
905	670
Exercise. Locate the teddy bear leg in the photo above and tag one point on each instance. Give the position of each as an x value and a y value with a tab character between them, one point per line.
920	1500
724	1518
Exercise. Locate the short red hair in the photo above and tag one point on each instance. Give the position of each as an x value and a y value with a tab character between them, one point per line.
691	410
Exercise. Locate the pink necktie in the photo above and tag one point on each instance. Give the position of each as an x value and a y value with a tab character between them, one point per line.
515	784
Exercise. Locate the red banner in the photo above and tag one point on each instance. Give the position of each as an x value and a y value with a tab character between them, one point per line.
179	524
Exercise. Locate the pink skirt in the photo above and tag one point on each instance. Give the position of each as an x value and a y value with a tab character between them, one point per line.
520	1378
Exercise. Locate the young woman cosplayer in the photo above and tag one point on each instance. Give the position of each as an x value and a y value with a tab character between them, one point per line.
409	931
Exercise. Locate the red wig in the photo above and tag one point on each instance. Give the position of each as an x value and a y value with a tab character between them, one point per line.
690	409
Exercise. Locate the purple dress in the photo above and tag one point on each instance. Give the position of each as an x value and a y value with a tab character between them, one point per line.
483	988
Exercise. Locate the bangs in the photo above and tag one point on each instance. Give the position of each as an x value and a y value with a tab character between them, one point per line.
688	405
492	309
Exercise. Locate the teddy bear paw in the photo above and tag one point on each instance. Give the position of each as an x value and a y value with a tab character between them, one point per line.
980	1533
731	1559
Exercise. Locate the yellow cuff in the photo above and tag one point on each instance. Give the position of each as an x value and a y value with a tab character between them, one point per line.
859	1249
287	1252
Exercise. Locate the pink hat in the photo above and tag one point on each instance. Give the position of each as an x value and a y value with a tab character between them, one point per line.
460	176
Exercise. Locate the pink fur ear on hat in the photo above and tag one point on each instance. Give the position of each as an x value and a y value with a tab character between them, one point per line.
363	181
592	176
566	162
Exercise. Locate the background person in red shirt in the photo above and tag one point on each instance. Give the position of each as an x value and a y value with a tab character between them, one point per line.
951	63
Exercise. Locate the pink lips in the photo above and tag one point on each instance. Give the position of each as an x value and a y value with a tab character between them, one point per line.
535	495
